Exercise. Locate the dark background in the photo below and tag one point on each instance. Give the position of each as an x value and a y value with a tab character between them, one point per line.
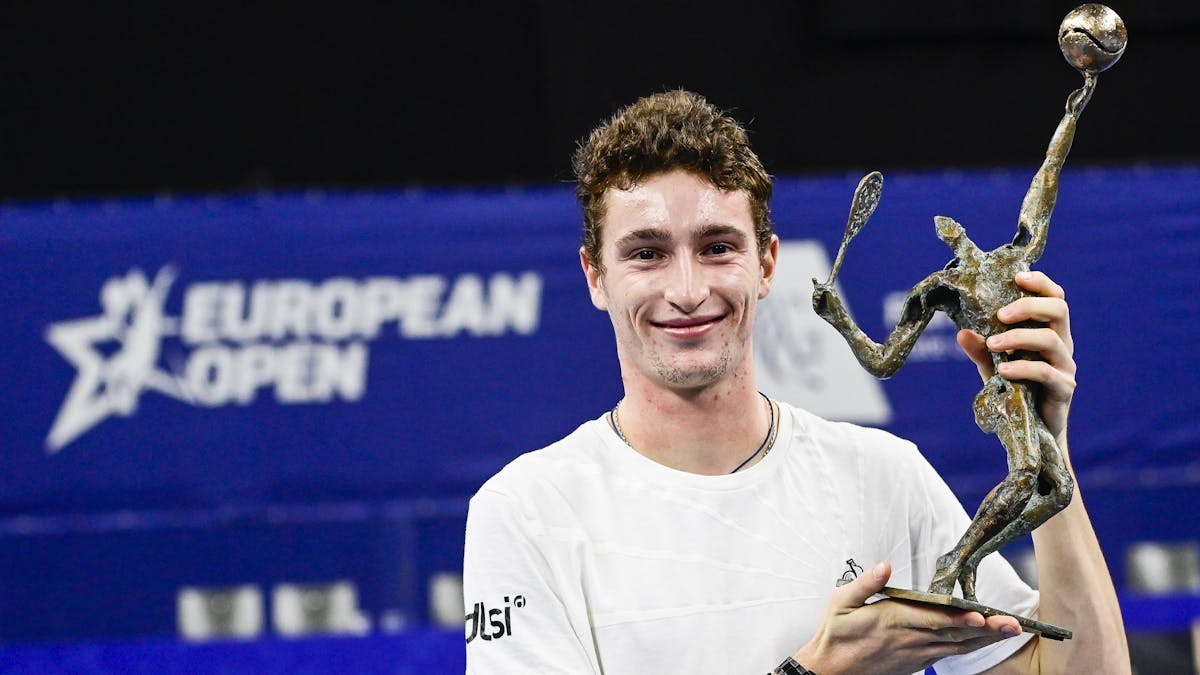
206	97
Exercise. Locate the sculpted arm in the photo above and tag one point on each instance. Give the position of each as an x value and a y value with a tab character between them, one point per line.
881	360
1034	221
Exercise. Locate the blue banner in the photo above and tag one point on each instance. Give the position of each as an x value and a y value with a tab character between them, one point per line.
201	356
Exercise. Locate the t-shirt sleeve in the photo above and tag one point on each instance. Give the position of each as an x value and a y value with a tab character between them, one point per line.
997	584
522	613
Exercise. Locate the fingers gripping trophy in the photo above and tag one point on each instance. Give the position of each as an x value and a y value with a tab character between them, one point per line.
970	290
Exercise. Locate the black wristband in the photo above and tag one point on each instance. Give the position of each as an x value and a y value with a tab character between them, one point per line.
790	667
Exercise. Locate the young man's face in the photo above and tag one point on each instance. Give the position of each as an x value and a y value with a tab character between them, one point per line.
682	278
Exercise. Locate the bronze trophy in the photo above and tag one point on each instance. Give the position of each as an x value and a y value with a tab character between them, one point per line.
970	289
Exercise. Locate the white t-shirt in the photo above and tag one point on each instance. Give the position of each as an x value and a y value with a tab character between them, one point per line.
587	557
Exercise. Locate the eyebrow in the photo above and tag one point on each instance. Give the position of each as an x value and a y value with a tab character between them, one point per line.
658	235
644	235
720	230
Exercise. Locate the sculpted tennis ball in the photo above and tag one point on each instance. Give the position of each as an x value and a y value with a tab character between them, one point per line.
1092	37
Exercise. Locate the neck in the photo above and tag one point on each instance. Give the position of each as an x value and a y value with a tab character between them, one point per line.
707	431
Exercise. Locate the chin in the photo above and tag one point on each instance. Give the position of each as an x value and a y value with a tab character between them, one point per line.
693	374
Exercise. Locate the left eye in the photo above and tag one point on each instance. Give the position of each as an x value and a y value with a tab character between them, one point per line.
719	249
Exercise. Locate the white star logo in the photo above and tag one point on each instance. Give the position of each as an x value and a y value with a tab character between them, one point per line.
133	317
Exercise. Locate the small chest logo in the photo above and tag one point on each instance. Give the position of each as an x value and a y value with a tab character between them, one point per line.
492	624
850	574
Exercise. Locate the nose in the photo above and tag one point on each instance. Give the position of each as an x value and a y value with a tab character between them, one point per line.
687	287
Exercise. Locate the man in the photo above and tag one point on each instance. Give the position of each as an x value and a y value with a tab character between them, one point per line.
698	526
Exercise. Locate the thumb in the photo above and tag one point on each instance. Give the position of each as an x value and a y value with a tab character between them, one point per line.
855	593
976	349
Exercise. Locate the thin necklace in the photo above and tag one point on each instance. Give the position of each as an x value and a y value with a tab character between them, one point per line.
614	420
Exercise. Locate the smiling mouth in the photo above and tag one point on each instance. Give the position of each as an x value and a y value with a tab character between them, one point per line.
690	327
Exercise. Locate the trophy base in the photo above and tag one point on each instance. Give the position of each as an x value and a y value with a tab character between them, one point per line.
1046	630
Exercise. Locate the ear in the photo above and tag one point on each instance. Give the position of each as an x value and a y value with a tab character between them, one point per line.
769	260
595	280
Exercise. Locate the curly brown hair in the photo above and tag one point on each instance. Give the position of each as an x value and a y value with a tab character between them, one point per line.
660	133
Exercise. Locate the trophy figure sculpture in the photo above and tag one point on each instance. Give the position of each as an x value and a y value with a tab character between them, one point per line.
970	289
